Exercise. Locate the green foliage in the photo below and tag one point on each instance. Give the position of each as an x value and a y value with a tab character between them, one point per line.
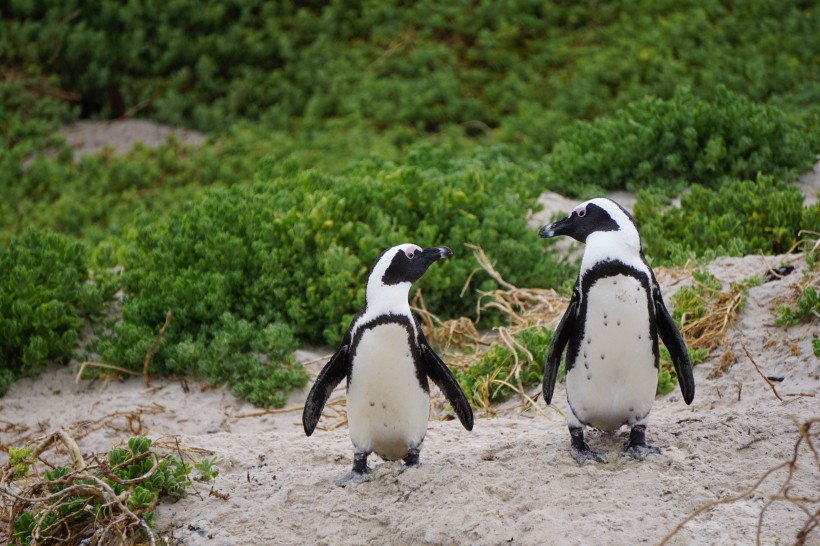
489	380
18	460
296	247
521	66
690	301
667	378
137	475
815	346
350	89
806	309
207	471
742	217
44	296
666	144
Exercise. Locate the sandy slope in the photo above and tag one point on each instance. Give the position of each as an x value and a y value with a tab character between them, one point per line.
510	480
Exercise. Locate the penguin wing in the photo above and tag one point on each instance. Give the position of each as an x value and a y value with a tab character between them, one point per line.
559	342
331	375
672	339
437	370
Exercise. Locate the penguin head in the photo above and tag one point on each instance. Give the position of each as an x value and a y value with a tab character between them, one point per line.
398	267
598	218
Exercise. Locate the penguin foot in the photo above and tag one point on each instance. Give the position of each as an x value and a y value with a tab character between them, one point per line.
636	447
412	459
361	472
580	450
354	478
584	454
640	452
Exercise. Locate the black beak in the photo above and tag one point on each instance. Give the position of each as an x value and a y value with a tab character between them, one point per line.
556	228
436	253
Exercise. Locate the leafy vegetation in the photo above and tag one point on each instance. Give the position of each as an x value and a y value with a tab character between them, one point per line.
742	217
337	129
45	296
294	249
116	497
502	368
806	309
523	67
668	144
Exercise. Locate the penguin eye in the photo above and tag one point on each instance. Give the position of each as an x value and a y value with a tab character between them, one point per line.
409	254
582	213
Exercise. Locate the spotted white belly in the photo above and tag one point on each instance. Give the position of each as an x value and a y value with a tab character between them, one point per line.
613	379
387	410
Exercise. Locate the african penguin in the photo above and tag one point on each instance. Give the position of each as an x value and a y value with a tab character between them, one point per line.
386	360
610	330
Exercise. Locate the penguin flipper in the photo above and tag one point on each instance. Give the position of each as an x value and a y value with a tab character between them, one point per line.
331	375
672	339
437	370
559	342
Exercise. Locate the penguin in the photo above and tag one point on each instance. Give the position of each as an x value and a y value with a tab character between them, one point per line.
387	360
610	331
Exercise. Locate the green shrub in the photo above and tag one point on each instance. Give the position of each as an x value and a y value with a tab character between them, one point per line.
806	308
742	217
667	144
44	295
136	474
522	66
667	378
296	246
488	380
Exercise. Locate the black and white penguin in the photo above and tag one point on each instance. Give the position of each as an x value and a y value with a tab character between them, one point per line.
386	360
610	330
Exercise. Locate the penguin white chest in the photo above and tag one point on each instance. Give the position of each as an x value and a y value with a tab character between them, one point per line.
387	409
613	379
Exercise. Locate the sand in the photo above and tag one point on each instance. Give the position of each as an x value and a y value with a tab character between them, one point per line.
509	481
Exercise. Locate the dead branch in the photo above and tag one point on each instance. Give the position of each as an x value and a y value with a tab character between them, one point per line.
757	368
781	494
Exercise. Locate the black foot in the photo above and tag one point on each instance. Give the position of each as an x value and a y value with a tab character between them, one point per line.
580	450
636	447
360	473
412	459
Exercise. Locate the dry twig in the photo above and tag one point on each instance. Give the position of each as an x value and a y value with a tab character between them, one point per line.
805	504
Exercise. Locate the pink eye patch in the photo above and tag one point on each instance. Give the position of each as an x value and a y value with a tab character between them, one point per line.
411	251
580	210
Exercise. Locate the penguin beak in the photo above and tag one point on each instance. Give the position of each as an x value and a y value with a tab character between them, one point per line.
437	253
561	227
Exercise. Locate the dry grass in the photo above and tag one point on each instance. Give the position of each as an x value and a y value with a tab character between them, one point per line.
129	422
59	519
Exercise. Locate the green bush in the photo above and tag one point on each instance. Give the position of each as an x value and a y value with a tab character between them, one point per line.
742	217
296	246
136	474
45	294
806	309
668	144
484	381
526	67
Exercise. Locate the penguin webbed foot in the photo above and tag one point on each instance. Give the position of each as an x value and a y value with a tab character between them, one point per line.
636	447
640	452
580	450
412	459
354	478
584	454
361	472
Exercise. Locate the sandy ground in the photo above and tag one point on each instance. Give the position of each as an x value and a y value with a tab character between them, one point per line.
509	481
